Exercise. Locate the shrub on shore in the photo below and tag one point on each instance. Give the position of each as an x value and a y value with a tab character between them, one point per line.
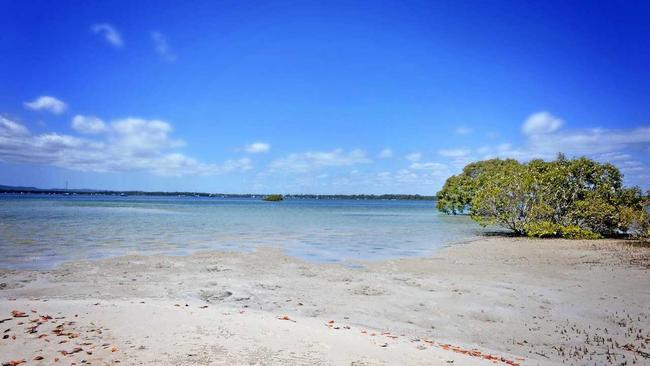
274	197
571	198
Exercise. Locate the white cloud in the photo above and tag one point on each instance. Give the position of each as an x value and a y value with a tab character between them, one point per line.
88	124
142	137
47	103
385	154
504	146
454	153
406	176
257	147
463	130
130	144
413	157
541	123
111	35
313	160
162	46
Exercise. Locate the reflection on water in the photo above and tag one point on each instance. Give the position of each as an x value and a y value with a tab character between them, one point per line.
42	231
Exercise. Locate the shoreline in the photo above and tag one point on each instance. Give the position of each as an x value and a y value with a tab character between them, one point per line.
529	301
350	263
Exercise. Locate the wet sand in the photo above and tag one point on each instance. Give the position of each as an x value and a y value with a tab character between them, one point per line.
493	300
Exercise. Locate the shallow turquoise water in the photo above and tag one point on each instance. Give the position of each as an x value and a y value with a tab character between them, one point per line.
42	231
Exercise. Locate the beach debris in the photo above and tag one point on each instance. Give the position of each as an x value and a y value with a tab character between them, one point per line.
473	353
14	362
286	317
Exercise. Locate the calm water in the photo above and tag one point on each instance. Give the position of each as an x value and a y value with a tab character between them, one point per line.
42	231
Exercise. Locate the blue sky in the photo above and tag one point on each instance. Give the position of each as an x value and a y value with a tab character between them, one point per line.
315	97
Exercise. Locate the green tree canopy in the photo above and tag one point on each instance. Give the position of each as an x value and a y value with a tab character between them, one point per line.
573	198
274	197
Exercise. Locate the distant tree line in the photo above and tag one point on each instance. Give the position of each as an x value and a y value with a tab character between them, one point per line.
33	190
570	198
414	197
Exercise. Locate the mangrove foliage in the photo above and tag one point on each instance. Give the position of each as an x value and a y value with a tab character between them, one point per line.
570	198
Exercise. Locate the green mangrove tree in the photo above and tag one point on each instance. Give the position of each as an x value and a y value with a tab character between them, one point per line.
570	198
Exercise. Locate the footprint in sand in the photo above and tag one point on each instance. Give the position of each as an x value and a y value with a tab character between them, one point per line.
214	296
367	291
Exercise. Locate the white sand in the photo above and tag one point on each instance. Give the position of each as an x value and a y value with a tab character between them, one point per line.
532	302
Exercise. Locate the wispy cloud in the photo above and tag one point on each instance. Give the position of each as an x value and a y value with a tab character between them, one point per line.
9	128
433	167
463	130
454	153
258	147
385	154
427	175
47	103
591	141
109	32
162	46
130	144
413	157
313	160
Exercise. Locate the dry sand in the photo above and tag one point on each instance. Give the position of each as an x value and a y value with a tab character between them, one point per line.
511	301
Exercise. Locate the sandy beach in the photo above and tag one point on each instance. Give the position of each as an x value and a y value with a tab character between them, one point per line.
494	300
